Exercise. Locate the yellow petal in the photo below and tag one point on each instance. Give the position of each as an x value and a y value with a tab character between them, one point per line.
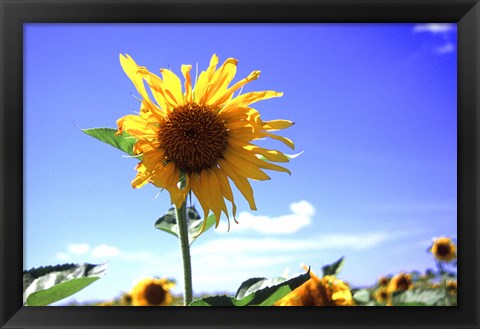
188	83
131	68
202	195
165	176
236	114
140	179
204	78
249	98
220	81
172	87
177	197
262	164
246	136
157	87
277	124
169	178
284	140
210	180
151	112
226	189
145	146
229	93
243	167
137	127
240	182
153	161
241	126
270	155
254	116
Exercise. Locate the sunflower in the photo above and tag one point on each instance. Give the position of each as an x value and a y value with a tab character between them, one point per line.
399	282
152	292
126	299
383	281
198	138
381	295
451	287
326	291
444	249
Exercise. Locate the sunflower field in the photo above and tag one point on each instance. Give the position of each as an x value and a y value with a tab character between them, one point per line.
432	288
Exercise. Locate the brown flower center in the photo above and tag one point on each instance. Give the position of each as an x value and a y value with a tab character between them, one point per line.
193	137
443	249
154	294
127	299
403	283
383	281
452	287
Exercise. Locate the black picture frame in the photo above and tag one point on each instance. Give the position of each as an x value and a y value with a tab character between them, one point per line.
14	13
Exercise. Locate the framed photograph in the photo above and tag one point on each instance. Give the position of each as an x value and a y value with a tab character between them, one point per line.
319	158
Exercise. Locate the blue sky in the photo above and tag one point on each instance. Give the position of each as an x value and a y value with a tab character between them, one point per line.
375	115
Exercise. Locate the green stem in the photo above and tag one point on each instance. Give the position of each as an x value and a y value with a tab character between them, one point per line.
185	248
441	270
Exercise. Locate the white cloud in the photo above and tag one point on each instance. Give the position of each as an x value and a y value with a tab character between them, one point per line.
226	246
300	217
302	208
434	28
79	249
104	250
446	48
443	32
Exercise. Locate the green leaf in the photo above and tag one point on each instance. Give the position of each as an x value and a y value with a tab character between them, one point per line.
123	142
216	301
59	291
246	287
30	275
195	226
334	268
54	283
168	223
257	292
428	297
361	296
